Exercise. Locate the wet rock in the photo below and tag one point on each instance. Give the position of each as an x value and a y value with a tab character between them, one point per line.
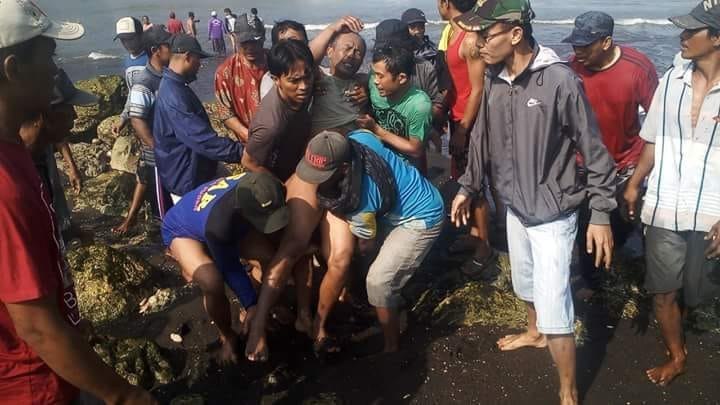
125	154
109	193
622	292
105	133
91	158
190	399
139	361
706	317
157	302
112	93
110	284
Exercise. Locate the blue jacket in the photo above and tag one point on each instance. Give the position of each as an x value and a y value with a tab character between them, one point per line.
187	148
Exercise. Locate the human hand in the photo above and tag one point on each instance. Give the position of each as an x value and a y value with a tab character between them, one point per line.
631	197
75	180
347	24
358	95
365	121
460	211
600	242
713	249
116	128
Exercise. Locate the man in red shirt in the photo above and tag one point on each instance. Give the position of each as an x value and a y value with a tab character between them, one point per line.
174	26
43	360
618	80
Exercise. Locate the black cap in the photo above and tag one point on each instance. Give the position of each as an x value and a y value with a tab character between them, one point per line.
261	199
184	43
155	36
706	14
393	32
325	153
244	32
412	16
590	27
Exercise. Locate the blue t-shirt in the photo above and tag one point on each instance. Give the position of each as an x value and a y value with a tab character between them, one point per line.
133	66
207	214
418	203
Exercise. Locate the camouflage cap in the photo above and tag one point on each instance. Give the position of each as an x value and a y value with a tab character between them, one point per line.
488	12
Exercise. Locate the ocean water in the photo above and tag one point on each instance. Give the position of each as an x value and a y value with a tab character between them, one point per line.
639	24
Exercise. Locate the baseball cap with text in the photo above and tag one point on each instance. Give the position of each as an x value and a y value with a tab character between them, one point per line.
704	15
488	12
325	153
22	20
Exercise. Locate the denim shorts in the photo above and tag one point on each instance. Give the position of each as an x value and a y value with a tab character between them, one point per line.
540	258
402	252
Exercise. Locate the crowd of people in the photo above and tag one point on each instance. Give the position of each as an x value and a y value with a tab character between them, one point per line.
335	167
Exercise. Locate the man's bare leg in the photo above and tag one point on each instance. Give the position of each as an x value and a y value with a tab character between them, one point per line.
479	228
389	319
669	316
198	267
530	338
135	205
302	274
338	245
562	349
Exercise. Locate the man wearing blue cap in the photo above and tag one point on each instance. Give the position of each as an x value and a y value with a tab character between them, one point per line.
682	157
618	80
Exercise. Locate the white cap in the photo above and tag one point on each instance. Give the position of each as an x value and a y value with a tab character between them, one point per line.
127	25
22	20
213	13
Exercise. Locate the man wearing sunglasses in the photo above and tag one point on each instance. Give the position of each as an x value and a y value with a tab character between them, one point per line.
533	119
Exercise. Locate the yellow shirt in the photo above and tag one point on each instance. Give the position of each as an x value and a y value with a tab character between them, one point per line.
445	38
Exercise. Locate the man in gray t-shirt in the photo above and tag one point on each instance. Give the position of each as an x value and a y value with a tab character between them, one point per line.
333	107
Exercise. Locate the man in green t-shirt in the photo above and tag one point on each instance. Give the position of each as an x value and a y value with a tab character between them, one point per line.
401	112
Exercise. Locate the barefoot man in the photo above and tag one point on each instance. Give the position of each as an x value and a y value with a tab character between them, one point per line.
683	160
533	119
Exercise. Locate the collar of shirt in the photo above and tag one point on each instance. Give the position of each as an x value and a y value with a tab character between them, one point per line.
170	75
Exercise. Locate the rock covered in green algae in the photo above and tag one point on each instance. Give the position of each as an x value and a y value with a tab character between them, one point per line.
139	361
92	159
111	91
110	284
104	130
125	154
478	304
108	193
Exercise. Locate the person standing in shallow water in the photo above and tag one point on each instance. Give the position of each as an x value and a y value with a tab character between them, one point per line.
527	84
191	23
174	26
215	34
680	208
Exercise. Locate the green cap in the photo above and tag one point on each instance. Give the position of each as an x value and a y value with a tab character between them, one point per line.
488	12
261	199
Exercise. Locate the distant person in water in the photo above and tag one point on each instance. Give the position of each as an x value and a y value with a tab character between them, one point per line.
174	26
237	81
191	24
230	19
215	34
146	23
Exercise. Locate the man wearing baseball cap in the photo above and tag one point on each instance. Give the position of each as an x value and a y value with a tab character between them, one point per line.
211	228
187	148
535	102
216	31
43	359
238	79
679	210
618	80
130	32
415	20
141	102
393	200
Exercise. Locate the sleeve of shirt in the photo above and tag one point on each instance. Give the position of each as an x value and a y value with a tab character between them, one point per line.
578	120
223	93
140	102
25	265
261	141
646	87
431	84
234	273
472	181
419	120
363	225
199	136
649	130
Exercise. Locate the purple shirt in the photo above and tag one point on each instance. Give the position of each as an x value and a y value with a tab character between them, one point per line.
215	28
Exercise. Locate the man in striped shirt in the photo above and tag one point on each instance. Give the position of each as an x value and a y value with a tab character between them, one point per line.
682	204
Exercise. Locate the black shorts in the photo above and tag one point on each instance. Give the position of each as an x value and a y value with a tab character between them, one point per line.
145	173
676	260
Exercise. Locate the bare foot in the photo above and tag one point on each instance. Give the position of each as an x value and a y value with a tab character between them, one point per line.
663	375
569	398
227	353
513	342
256	348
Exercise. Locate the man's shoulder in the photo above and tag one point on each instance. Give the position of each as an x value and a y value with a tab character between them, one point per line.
419	99
272	113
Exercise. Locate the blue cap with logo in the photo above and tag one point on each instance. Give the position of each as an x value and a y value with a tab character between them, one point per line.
590	27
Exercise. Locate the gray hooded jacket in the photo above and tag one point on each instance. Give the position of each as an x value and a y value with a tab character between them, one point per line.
525	140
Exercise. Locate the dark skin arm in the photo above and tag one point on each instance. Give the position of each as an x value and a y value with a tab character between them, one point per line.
143	131
411	146
642	170
40	324
241	131
476	73
251	164
72	169
319	44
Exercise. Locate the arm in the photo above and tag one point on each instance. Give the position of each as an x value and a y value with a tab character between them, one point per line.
476	73
252	165
241	131
73	172
143	131
259	147
642	170
140	107
318	46
40	324
199	136
410	146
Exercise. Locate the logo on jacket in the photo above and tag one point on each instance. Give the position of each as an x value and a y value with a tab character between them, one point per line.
533	102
